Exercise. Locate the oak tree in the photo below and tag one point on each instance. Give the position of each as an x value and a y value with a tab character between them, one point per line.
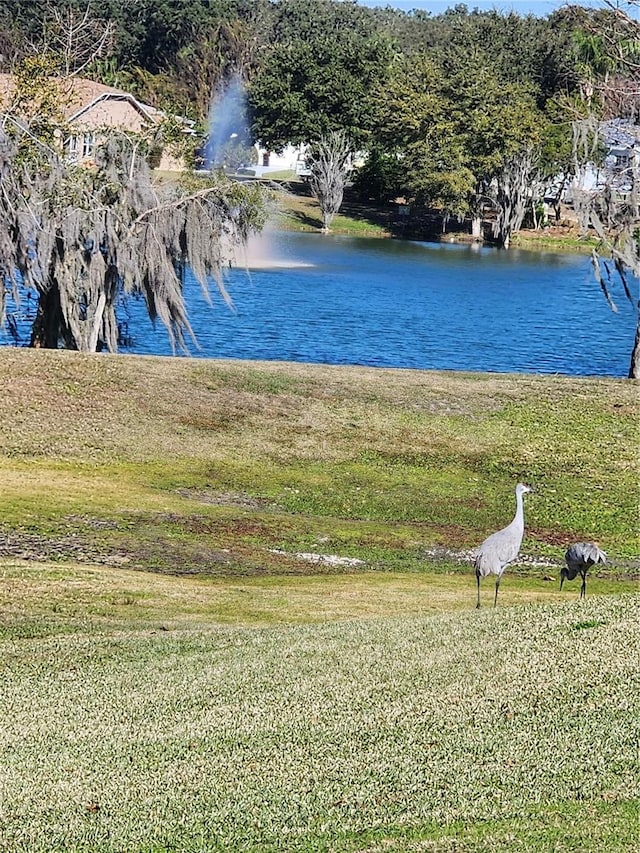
83	236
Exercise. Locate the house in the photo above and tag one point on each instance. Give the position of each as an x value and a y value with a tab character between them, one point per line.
290	159
89	107
621	140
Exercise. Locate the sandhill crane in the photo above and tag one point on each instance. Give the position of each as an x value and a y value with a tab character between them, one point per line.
579	558
501	548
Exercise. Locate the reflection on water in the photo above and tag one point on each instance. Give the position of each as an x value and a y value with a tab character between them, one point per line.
266	251
392	303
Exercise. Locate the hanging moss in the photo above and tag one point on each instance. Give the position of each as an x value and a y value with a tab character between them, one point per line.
83	236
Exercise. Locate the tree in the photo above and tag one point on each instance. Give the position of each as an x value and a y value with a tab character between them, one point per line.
76	37
170	54
227	50
556	161
615	218
613	213
416	127
381	176
73	33
318	74
519	48
329	160
459	135
512	186
82	237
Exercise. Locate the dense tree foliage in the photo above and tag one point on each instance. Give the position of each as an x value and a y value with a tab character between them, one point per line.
456	136
172	54
315	66
319	73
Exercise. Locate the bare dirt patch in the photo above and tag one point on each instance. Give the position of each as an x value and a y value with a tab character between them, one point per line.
236	499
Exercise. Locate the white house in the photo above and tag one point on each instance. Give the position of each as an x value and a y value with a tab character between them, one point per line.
290	159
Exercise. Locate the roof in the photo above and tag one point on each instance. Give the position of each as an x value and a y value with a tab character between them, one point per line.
620	133
83	94
78	96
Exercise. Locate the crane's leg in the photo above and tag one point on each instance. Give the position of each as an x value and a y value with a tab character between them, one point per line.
495	597
583	588
478	582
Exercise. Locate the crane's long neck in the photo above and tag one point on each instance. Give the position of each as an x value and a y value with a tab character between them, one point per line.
518	519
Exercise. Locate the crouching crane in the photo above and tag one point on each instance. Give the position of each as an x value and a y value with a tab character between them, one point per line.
579	558
501	548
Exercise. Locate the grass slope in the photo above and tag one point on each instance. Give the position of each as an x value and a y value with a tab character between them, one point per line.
236	609
228	468
297	210
497	730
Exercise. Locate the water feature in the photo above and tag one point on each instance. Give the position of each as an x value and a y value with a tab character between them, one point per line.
342	300
229	138
391	303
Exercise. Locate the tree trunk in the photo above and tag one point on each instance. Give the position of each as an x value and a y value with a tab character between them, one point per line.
634	366
96	325
511	197
45	332
476	228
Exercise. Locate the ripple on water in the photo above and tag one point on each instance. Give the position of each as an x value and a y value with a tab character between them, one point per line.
391	303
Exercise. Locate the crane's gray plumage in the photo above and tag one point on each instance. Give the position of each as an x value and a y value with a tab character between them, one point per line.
501	548
579	558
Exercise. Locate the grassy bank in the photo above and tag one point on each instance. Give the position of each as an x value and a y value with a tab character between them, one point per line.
186	465
297	210
236	609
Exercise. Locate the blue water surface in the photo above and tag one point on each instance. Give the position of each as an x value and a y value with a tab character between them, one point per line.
392	303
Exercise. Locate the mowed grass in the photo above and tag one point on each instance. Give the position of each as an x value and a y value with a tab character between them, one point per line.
453	731
39	599
237	609
300	211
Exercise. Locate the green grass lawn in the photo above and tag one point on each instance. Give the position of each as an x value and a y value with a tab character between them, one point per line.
296	209
165	714
299	211
237	609
234	468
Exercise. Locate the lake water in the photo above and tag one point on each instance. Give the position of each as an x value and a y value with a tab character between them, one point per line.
390	303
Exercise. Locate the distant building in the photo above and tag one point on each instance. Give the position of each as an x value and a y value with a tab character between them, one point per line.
621	140
89	107
290	159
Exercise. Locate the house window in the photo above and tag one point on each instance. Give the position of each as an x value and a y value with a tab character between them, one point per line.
72	148
88	145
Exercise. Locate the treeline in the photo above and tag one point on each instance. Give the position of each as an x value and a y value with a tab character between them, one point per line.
452	110
174	50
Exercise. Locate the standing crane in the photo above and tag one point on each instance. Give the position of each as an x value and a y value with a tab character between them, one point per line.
579	558
501	548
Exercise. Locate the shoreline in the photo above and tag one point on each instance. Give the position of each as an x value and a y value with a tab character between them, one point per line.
297	211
